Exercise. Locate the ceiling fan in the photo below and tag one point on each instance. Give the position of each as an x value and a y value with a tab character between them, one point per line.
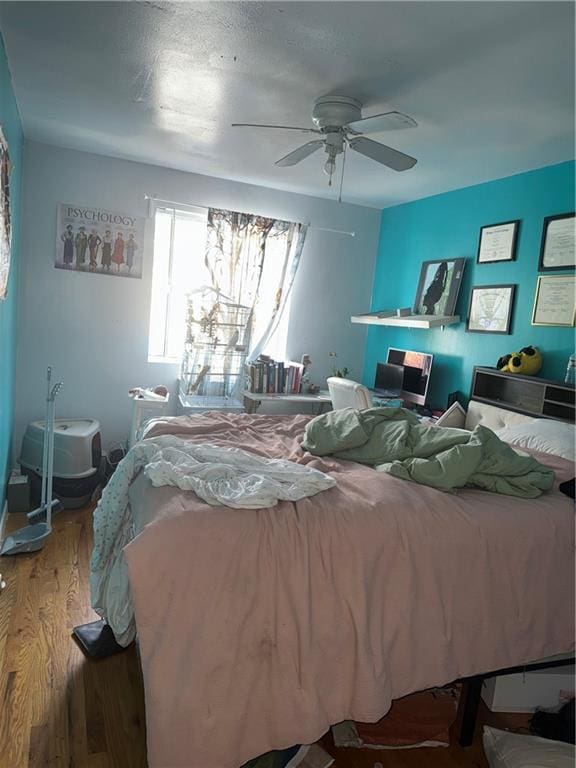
339	123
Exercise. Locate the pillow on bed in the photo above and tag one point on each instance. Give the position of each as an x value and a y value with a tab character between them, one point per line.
455	417
513	750
543	435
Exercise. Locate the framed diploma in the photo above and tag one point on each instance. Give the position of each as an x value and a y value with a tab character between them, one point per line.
490	309
555	301
498	242
557	247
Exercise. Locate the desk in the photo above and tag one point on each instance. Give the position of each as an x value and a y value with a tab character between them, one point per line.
252	400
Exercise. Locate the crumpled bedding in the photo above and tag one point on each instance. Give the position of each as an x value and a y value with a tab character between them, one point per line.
220	476
393	441
260	628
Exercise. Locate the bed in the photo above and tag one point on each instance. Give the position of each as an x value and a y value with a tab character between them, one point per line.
259	629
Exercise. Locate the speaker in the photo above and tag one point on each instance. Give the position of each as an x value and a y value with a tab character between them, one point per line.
454	397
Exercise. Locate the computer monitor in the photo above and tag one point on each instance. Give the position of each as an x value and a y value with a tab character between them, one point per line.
417	367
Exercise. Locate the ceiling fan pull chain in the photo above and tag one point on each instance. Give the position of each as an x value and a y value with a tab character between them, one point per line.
342	175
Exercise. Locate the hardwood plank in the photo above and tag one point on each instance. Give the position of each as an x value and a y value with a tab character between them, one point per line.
124	726
38	753
94	707
76	707
15	721
96	761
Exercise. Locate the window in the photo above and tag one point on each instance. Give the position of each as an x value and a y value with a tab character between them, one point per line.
179	241
179	268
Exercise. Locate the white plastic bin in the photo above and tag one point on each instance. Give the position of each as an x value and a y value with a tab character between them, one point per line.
142	411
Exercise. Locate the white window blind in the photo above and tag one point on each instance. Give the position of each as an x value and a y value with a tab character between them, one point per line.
179	243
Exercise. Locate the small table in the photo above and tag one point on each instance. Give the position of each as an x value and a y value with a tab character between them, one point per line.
252	400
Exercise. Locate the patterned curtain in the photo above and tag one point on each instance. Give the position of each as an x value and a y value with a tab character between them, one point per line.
252	261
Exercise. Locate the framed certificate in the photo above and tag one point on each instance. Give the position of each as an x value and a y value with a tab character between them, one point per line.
555	301
490	308
557	246
498	242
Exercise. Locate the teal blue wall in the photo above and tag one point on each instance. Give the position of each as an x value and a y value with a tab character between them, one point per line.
448	226
12	129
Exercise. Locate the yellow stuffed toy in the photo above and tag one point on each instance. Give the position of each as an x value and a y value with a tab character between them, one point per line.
528	362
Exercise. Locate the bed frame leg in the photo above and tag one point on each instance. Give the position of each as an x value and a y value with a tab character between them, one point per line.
471	690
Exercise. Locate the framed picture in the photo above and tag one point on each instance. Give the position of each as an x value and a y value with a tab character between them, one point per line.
498	242
490	308
557	247
438	287
5	227
99	242
555	301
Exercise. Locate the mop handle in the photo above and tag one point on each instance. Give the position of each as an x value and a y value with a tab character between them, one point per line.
50	478
45	447
50	465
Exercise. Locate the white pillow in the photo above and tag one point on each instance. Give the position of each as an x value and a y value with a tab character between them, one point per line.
513	750
543	435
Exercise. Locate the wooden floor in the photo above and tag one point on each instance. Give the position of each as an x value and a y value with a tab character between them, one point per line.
60	710
56	707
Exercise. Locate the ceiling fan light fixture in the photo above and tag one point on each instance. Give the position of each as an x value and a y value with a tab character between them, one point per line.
330	166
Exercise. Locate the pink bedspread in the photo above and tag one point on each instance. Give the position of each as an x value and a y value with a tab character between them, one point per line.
260	628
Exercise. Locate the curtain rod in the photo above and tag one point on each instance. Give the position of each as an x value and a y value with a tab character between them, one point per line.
151	199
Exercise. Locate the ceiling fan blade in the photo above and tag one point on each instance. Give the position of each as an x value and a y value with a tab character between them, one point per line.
299	154
398	161
387	121
282	127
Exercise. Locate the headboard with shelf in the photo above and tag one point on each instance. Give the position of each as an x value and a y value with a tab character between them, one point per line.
528	395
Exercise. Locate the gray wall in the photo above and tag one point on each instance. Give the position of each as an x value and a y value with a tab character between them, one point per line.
93	329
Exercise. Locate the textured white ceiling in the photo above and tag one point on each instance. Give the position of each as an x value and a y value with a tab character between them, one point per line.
491	85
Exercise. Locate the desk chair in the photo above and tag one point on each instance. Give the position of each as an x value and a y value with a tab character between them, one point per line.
348	394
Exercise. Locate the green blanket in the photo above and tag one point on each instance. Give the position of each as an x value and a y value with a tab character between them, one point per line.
392	440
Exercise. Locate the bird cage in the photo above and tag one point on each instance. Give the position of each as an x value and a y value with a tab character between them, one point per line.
215	351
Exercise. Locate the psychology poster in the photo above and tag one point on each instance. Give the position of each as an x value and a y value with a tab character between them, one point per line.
98	241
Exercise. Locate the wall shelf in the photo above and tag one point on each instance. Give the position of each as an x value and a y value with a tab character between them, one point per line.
408	321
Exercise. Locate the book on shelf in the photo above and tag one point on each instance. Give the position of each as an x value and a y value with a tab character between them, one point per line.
266	376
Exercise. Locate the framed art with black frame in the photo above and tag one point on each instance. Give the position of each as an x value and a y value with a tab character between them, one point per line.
438	287
490	309
5	225
555	301
497	242
557	249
